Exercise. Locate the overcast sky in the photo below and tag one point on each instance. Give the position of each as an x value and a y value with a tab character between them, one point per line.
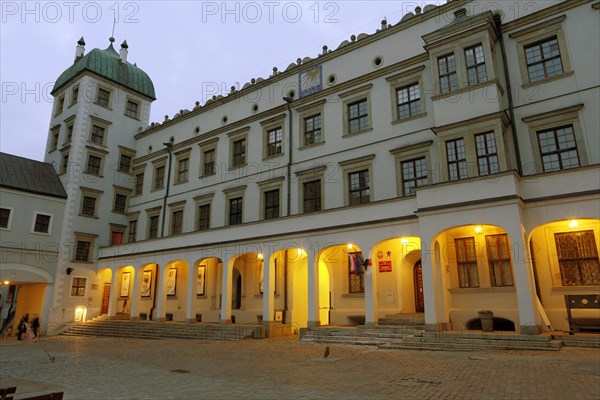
186	47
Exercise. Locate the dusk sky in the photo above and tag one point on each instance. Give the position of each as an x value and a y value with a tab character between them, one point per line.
187	48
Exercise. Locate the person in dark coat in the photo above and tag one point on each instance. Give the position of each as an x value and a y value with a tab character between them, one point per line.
35	325
22	327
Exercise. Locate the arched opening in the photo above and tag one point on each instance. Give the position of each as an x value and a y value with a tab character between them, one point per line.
236	295
564	259
500	324
418	282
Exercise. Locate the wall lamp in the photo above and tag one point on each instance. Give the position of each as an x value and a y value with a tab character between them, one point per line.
69	270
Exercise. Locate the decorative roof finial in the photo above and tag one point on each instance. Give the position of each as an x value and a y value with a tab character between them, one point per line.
81	42
124	45
111	40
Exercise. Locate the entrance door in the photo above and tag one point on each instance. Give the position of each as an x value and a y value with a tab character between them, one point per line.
105	298
418	278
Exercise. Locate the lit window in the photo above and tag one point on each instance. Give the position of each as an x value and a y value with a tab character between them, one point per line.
498	254
578	258
78	287
466	259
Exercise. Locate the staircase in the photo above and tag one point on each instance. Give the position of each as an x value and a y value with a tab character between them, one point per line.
163	330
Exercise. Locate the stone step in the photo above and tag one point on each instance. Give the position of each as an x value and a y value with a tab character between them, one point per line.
485	342
508	345
588	341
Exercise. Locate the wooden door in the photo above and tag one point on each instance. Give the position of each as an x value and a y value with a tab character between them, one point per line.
105	298
418	277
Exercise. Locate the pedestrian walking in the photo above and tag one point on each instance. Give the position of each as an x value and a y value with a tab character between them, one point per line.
35	325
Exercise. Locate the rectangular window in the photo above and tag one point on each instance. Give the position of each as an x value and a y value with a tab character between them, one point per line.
235	211
204	217
272	204
88	207
93	165
82	252
78	287
356	281
120	203
60	103
447	70
97	134
457	162
558	148
4	217
176	222
466	259
182	170
359	192
577	258
116	238
103	97
132	109
498	253
239	153
69	133
311	196
358	116
64	163
487	154
409	101
543	59
414	174
312	129
139	183
476	72
74	95
132	231
208	164
42	223
153	227
54	138
125	163
274	142
159	177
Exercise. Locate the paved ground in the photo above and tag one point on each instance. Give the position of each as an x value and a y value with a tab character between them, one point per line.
106	368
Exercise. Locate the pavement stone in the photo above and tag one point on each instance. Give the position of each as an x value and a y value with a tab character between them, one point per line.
125	368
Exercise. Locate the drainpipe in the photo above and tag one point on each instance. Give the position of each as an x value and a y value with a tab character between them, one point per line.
511	112
164	210
289	100
285	287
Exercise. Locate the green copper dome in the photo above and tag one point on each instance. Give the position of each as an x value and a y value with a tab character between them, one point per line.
107	64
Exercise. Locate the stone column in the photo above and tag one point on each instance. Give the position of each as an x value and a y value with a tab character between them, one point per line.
313	288
226	291
268	290
135	295
371	304
191	293
112	302
160	292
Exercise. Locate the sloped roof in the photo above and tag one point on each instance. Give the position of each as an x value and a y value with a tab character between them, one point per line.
107	64
31	176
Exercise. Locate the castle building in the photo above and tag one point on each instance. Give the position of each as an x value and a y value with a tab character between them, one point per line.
445	164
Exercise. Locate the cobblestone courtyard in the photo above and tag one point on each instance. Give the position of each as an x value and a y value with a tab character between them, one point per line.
107	368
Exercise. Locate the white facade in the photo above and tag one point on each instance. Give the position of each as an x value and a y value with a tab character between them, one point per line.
452	101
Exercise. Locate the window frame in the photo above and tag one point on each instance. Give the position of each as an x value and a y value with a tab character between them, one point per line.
126	111
121	192
159	165
100	100
270	186
409	77
182	159
487	155
34	224
152	214
176	220
313	174
359	164
506	259
132	233
236	137
578	260
476	64
11	211
468	264
235	193
91	193
84	238
128	167
117	228
100	166
60	105
74	95
209	146
353	277
79	286
100	123
536	34
353	97
448	74
273	125
54	137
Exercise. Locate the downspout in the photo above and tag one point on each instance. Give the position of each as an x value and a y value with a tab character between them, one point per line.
511	112
164	210
289	100
285	286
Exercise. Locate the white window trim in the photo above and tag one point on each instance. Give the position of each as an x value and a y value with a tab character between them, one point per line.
203	200
277	122
97	153
204	147
152	212
267	186
35	214
122	191
103	124
110	96
179	156
233	193
10	218
173	208
85	237
161	162
309	175
54	133
88	192
139	106
234	137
